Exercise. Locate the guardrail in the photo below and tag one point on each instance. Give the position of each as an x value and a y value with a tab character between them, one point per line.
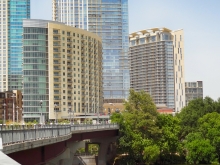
11	134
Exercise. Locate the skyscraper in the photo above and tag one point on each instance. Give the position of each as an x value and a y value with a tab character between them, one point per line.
12	14
108	19
62	70
157	65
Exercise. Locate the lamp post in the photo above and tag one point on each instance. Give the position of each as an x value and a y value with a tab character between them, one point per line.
41	102
9	116
55	110
98	115
17	113
13	115
85	113
70	115
4	111
22	118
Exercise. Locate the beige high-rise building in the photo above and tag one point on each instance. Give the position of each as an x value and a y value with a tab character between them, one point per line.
157	65
62	68
193	90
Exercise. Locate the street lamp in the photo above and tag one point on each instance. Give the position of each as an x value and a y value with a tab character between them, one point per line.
4	105
55	105
98	115
70	111
13	115
9	116
85	113
41	102
17	113
22	118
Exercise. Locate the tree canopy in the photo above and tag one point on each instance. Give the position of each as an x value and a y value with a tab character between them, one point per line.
147	137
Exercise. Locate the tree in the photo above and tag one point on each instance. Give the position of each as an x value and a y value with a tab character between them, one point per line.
190	114
209	126
199	149
170	144
138	128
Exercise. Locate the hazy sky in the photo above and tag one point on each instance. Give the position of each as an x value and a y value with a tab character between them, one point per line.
200	20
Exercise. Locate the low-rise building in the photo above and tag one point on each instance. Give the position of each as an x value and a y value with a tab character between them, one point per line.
11	106
193	90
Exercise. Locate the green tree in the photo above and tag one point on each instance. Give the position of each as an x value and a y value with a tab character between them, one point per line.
170	145
190	114
209	127
138	127
199	149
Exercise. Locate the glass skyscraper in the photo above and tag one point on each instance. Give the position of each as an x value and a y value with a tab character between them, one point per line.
12	14
108	19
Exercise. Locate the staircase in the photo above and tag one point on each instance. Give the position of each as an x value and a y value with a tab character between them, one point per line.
87	160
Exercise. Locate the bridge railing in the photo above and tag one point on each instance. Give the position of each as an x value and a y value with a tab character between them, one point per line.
11	134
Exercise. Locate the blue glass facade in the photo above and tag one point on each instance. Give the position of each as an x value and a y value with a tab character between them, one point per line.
17	11
35	72
108	19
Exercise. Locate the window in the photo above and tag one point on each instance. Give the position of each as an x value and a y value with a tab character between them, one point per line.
153	38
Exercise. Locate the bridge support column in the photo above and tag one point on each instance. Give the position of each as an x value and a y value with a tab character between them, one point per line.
104	149
74	146
59	159
67	157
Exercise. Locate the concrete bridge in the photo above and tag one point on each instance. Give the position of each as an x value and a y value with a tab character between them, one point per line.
56	144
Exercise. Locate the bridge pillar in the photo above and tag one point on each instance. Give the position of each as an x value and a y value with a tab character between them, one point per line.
74	146
59	159
67	157
105	149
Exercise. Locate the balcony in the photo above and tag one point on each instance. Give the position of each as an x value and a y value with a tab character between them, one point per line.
56	93
56	32
69	87
69	52
57	98
56	63
56	75
56	39
56	81
56	69
56	56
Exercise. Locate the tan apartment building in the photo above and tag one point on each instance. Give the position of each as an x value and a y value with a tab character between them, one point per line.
193	90
62	71
157	65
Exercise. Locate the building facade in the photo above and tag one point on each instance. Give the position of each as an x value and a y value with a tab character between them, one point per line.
12	14
62	71
193	90
11	106
157	65
108	19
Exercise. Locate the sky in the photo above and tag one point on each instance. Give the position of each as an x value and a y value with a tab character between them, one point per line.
200	20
